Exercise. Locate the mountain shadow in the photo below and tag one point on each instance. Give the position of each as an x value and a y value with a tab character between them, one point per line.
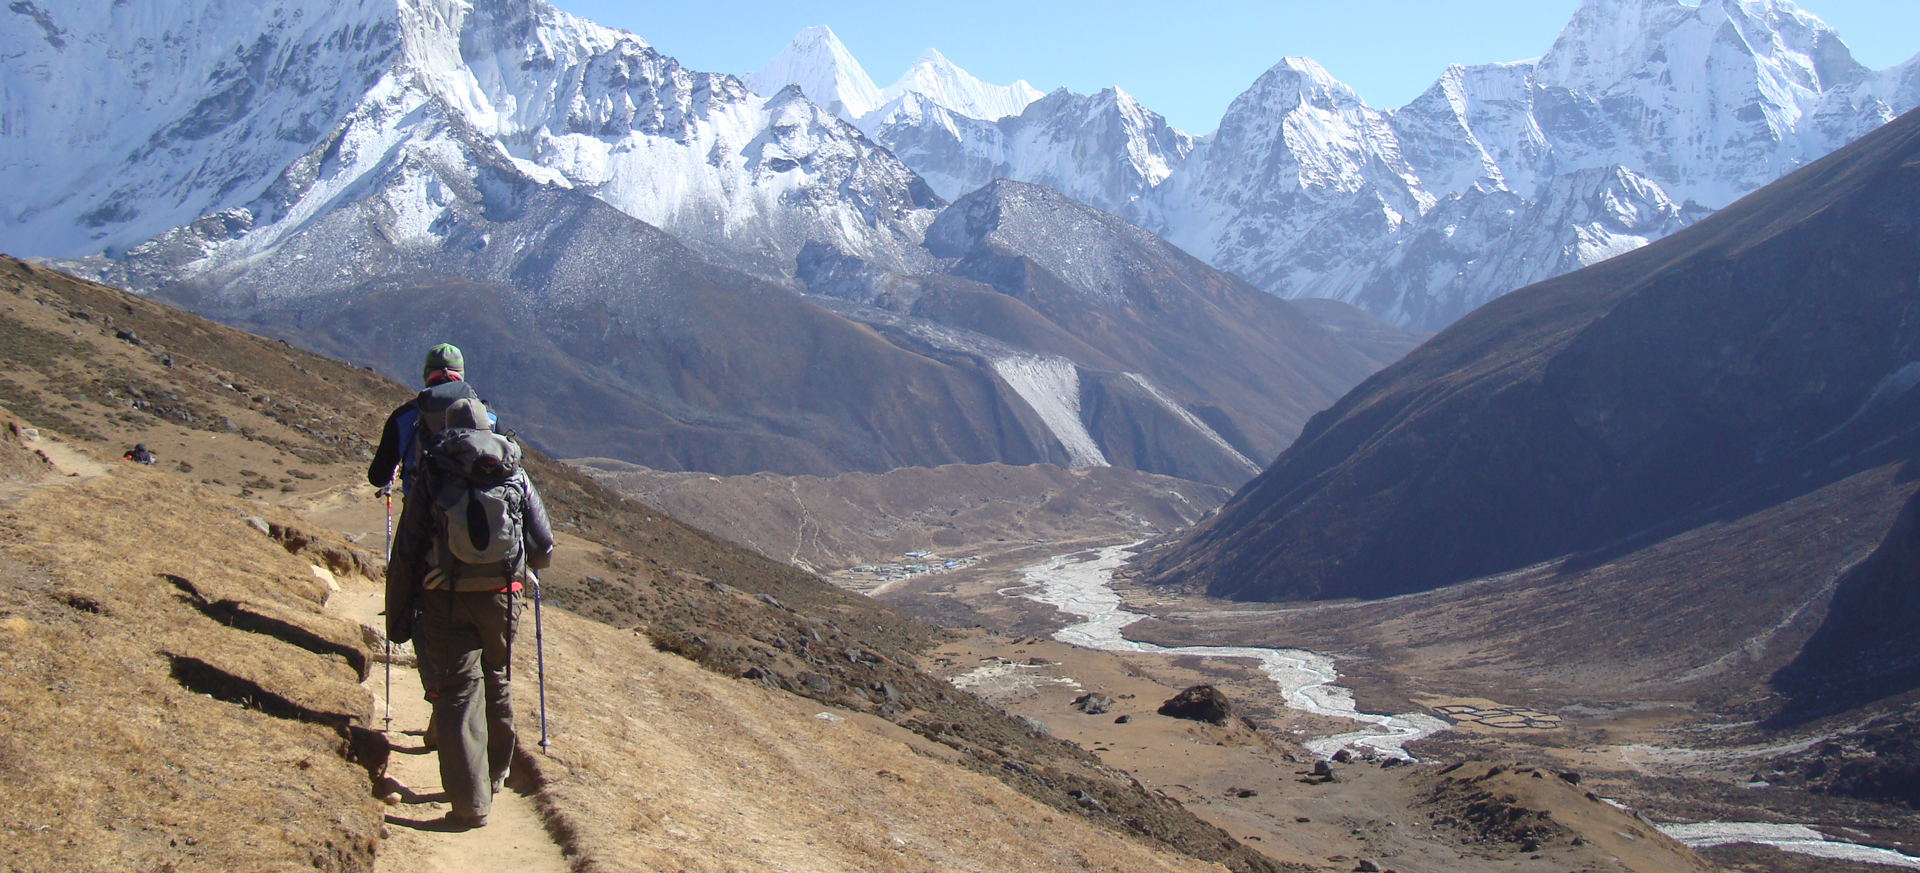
1868	647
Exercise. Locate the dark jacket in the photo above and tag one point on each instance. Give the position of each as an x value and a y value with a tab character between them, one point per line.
400	434
418	536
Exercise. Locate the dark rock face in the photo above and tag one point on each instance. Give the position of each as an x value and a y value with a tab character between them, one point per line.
1751	358
1199	703
605	336
1490	814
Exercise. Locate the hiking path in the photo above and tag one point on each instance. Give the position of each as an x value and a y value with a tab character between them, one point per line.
515	837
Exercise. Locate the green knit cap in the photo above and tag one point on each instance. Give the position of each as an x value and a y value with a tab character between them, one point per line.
445	356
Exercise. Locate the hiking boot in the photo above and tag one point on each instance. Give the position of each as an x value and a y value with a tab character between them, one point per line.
460	821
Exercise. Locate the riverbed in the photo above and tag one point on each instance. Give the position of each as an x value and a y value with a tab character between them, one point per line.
1799	839
1079	585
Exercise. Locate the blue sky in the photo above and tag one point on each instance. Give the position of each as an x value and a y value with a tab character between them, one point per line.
1186	61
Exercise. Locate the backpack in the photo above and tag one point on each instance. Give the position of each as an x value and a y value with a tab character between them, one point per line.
478	494
422	424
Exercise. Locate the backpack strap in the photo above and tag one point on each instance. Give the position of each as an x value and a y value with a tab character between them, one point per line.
406	424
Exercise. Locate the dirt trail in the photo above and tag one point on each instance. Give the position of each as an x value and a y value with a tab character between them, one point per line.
69	464
515	838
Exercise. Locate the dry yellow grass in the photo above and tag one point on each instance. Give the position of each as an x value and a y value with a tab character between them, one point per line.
112	752
661	765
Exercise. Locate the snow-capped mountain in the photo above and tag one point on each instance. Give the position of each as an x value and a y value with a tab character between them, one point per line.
937	79
236	124
825	71
820	64
1106	151
222	126
1643	116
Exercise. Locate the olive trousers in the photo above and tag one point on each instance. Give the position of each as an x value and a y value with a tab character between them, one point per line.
469	638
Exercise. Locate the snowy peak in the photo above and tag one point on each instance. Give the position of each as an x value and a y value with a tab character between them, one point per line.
1304	82
1300	129
223	97
826	72
1610	41
1711	100
1475	126
953	88
829	75
1607	39
244	126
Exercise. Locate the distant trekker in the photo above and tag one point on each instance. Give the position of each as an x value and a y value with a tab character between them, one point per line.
472	530
139	455
413	424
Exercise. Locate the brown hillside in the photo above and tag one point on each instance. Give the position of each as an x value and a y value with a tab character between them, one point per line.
830	524
147	585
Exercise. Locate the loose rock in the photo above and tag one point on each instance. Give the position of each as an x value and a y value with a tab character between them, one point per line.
1093	704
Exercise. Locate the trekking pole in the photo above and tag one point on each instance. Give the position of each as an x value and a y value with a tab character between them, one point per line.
387	492
540	660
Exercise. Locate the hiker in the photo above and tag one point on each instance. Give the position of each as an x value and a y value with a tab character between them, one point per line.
139	455
408	430
470	533
413	423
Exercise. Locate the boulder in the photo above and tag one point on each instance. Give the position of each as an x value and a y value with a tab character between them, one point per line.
1093	704
1199	703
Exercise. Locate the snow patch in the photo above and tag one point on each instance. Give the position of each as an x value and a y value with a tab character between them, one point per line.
1004	679
1051	386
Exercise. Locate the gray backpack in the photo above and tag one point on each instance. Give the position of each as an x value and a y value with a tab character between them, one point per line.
478	494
